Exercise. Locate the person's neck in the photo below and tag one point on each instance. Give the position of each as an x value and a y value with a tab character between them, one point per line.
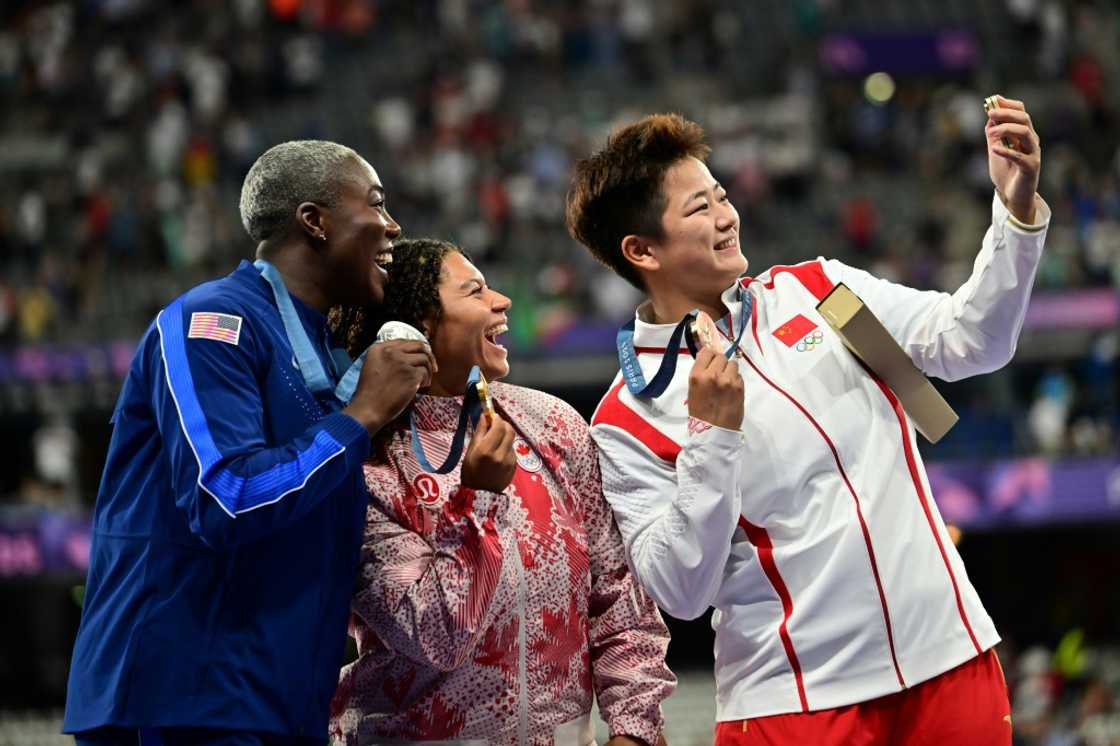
447	382
670	308
301	275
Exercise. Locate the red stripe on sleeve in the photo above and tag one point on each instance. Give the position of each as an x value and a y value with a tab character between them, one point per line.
613	412
810	274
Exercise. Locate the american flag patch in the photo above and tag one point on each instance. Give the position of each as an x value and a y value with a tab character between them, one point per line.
220	326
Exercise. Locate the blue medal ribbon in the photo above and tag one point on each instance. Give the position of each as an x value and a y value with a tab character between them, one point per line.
310	366
349	382
628	356
472	409
348	372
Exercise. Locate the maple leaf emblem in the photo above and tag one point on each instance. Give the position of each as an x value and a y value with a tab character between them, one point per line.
440	722
574	536
563	643
550	454
567	516
498	648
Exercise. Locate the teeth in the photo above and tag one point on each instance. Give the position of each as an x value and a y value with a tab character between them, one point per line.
727	243
496	330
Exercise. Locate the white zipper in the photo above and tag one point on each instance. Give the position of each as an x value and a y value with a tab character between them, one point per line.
522	656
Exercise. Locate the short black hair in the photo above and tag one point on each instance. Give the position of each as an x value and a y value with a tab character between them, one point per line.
618	190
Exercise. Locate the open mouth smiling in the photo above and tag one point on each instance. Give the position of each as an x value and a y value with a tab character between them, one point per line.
491	334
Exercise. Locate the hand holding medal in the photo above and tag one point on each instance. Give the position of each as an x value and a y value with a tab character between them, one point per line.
689	331
490	461
715	386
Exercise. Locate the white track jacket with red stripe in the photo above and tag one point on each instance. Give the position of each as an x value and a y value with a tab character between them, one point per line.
812	531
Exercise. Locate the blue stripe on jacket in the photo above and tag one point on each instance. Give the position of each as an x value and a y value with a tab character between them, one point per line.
234	493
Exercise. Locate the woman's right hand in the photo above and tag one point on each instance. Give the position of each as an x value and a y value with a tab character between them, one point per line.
391	375
490	461
715	390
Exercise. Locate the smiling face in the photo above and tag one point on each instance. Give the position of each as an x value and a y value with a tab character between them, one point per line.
472	316
696	255
698	252
360	235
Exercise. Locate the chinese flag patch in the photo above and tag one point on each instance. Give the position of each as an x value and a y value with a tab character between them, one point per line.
791	332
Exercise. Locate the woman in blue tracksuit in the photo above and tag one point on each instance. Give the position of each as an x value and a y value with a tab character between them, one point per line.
230	512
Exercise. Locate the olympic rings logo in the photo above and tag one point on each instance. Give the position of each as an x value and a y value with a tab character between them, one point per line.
811	341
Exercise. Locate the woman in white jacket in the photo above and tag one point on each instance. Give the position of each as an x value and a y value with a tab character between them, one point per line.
776	478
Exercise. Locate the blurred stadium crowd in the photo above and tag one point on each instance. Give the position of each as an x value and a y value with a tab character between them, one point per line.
126	127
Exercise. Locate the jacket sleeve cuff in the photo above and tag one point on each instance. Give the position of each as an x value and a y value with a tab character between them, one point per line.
638	727
704	432
349	432
1000	214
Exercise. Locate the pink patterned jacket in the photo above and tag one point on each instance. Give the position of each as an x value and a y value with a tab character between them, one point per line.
486	618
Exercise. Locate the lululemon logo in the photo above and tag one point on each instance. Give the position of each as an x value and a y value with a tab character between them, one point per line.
811	341
426	487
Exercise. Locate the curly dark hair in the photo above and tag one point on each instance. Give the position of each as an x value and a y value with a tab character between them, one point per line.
411	294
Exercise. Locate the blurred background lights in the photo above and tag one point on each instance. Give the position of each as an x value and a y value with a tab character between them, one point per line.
879	87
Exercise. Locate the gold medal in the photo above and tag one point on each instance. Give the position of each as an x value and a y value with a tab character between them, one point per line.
483	390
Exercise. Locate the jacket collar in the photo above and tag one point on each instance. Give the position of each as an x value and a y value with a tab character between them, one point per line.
648	334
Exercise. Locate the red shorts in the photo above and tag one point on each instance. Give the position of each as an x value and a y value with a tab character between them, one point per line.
965	706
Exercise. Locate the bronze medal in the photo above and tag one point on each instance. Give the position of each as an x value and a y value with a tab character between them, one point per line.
704	331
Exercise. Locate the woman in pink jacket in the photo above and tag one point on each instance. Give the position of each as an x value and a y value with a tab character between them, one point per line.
494	600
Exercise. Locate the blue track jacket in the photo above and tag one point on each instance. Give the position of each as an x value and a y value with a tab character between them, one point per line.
226	531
